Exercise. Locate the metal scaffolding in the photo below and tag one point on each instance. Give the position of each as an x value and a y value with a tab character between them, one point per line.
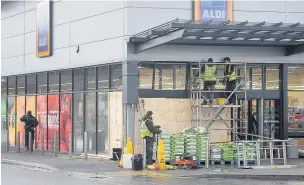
237	122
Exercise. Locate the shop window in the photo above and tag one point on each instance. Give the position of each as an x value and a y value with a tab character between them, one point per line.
21	84
145	76
246	75
78	127
53	81
11	85
103	77
296	77
31	105
20	111
180	76
4	86
53	121
11	116
163	76
90	79
116	76
42	83
41	112
4	125
65	121
272	78
90	120
66	81
102	123
79	79
31	85
257	78
295	111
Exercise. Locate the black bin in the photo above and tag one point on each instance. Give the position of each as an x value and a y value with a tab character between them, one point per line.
137	162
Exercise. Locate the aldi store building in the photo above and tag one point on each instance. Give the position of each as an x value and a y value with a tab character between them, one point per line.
85	65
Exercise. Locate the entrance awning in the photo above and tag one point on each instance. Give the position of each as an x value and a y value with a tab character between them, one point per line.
183	32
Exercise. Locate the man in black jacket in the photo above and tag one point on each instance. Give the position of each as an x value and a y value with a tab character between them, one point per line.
230	80
148	131
30	123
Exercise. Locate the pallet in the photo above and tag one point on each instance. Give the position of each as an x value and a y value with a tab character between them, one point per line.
242	162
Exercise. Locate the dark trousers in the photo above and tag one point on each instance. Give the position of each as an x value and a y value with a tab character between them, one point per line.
27	138
230	86
149	150
209	86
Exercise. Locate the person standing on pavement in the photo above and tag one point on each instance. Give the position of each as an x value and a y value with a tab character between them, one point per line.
30	123
230	79
147	132
209	72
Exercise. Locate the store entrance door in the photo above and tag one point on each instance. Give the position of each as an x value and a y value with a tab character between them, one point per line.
264	118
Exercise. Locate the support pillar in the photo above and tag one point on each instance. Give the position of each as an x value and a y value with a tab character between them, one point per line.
283	111
129	97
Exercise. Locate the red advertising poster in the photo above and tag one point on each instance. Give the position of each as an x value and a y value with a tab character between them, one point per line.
31	105
20	112
11	119
65	120
41	116
53	119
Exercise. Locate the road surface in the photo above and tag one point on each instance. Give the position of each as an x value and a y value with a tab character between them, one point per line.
12	175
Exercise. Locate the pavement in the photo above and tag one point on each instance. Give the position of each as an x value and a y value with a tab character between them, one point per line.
104	168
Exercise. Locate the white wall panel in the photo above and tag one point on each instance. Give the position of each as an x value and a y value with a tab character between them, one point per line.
11	8
12	26
273	17
97	28
12	66
161	4
61	33
93	8
30	5
30	43
295	17
295	6
30	21
274	6
58	60
12	47
61	12
98	52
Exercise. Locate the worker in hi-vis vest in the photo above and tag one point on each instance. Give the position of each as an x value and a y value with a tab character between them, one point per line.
148	130
209	72
230	79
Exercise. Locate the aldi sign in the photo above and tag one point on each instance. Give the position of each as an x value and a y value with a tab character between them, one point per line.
215	10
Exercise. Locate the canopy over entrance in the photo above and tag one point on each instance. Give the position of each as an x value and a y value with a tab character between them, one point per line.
183	32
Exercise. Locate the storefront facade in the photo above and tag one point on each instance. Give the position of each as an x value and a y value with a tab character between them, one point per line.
84	83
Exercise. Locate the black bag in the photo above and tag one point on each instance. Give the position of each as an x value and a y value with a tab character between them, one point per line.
137	162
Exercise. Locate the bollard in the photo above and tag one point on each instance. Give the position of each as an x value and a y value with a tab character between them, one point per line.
258	153
18	142
284	153
30	146
238	155
144	153
7	141
55	144
42	143
271	152
70	145
207	154
244	155
85	156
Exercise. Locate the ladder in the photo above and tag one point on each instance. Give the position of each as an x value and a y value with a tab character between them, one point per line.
238	120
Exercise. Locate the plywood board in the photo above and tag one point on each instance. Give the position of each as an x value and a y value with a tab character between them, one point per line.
115	120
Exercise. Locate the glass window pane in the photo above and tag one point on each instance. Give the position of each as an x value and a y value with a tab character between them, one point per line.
54	81
11	116
90	118
66	80
145	76
163	76
3	86
180	76
90	77
21	84
31	84
53	120
11	85
102	121
296	77
78	121
20	106
42	117
272	78
78	79
220	71
257	78
116	76
103	77
65	121
42	83
295	111
247	76
3	121
31	105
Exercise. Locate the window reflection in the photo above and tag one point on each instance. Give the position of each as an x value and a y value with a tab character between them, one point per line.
42	83
31	84
54	81
66	81
272	78
145	76
103	77
90	78
116	76
3	86
11	85
295	111
257	78
21	84
163	76
180	76
296	77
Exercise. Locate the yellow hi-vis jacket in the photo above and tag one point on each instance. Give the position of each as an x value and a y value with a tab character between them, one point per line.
144	131
232	76
209	74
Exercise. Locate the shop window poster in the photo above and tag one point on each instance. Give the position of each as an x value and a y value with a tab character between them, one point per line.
215	10
65	120
53	119
11	111
42	118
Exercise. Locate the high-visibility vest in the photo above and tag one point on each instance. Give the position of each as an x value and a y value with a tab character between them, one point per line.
209	74
232	76
144	131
